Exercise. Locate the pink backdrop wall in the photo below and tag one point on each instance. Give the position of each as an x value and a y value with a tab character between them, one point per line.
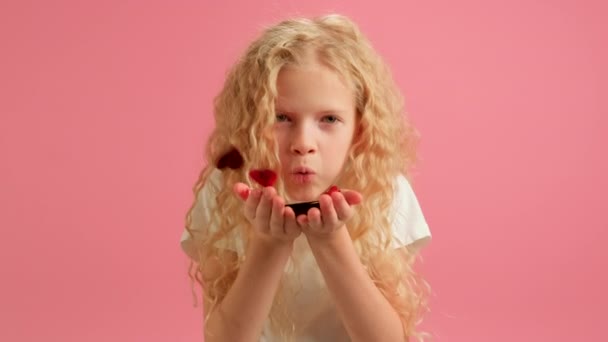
104	108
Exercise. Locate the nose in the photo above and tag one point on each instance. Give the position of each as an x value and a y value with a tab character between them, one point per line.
303	140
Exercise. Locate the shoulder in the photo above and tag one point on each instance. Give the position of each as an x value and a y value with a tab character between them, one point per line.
204	201
204	223
408	222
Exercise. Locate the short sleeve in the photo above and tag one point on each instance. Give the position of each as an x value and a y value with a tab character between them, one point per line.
202	222
408	222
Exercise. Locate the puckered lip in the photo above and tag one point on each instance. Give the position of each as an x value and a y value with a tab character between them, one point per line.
302	170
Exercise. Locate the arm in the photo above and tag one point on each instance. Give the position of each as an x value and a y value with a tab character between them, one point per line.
241	314
365	312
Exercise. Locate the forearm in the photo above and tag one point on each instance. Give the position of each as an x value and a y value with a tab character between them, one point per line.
241	314
365	312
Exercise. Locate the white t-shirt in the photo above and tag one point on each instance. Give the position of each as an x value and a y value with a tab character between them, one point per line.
313	309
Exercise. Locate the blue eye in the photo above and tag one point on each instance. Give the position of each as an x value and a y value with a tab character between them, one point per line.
282	117
330	118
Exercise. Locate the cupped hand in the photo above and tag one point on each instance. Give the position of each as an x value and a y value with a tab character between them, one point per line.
266	211
335	210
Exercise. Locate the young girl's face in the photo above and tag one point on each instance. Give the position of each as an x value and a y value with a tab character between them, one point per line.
315	123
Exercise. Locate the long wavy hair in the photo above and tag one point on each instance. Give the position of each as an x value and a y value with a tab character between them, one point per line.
385	146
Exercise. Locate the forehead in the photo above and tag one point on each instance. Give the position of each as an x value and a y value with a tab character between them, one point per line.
313	85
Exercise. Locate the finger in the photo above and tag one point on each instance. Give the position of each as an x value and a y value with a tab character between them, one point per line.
352	197
242	190
328	213
251	204
262	213
302	221
343	209
289	222
314	218
276	217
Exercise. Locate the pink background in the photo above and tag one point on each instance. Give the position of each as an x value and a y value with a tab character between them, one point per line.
105	107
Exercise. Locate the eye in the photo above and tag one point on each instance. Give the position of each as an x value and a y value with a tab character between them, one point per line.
282	117
330	119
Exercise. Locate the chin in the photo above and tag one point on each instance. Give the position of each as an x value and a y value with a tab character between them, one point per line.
303	195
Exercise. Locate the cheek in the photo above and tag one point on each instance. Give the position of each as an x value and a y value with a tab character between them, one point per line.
283	146
343	149
280	136
337	153
345	142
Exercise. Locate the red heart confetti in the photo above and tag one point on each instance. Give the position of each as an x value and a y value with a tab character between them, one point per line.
264	177
232	160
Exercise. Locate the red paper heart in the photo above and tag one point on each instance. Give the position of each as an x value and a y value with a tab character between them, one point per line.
264	177
232	160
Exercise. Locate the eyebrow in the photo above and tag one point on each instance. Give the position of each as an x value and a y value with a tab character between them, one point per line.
323	112
332	111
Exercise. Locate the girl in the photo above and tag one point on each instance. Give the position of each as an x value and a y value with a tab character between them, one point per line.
312	101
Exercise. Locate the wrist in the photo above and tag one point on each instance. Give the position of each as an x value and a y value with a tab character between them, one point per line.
331	239
269	243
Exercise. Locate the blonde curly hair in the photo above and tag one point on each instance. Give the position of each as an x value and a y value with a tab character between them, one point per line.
385	146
